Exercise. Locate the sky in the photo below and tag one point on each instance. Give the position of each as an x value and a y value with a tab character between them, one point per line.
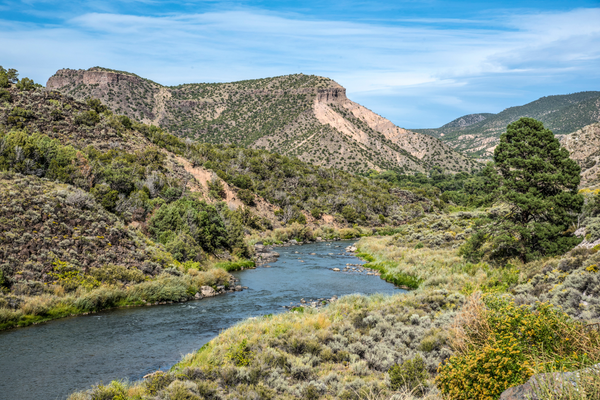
419	63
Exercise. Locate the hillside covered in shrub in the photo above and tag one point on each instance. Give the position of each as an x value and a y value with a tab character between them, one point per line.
304	116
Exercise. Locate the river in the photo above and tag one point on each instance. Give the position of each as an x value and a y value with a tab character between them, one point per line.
52	360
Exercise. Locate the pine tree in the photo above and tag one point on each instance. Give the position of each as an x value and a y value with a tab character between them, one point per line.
539	184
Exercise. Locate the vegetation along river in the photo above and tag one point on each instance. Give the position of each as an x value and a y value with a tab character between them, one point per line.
51	360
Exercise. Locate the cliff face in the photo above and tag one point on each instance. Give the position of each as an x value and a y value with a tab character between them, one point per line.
304	116
66	77
331	95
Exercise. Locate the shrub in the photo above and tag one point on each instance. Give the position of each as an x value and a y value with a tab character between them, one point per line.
350	214
71	277
240	354
184	248
105	196
348	233
411	374
115	391
89	118
157	381
125	121
96	105
27	84
246	196
216	188
5	95
242	181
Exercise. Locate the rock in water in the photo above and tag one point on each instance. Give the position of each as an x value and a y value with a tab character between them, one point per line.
207	291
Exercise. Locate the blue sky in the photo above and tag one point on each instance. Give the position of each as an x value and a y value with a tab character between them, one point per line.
418	63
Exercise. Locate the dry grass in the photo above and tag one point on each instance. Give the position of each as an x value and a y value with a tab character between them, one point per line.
470	326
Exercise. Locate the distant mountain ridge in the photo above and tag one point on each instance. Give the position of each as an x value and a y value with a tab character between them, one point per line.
299	115
478	134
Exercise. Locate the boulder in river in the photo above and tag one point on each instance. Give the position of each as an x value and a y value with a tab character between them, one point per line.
336	269
207	291
264	254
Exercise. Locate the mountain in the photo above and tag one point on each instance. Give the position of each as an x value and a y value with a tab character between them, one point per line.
303	116
584	147
478	134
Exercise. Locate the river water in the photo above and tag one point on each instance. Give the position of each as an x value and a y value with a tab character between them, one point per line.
52	360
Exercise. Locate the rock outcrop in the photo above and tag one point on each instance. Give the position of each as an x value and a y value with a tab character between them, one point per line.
66	77
331	95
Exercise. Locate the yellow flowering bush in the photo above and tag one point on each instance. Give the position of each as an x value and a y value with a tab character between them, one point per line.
592	268
502	345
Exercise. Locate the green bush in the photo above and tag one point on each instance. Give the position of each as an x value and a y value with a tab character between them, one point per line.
27	84
89	118
242	181
216	189
5	95
105	196
114	391
184	247
96	105
411	374
246	196
200	222
348	233
350	214
316	213
125	121
240	354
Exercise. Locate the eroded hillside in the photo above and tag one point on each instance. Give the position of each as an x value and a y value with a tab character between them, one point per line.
304	116
584	147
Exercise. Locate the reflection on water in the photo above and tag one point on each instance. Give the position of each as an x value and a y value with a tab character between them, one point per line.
51	360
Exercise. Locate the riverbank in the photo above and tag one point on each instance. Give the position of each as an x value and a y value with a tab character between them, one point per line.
180	283
174	286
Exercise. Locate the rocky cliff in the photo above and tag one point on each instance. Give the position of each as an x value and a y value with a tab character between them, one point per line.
93	76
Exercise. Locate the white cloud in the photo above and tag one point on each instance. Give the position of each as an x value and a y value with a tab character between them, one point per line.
445	62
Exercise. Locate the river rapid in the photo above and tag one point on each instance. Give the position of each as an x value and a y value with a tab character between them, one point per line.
52	360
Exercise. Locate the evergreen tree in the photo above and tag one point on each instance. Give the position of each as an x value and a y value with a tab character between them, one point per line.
539	183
